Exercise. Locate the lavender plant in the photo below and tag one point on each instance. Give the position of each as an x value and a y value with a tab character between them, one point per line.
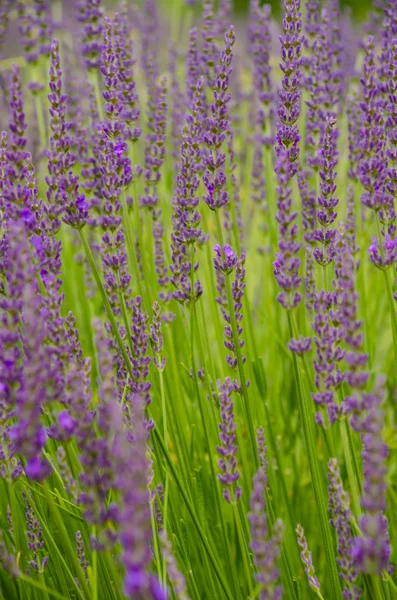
197	245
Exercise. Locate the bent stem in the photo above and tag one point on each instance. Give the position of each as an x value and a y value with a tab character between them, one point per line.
315	475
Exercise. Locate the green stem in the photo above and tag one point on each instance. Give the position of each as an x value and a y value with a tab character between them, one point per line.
64	534
41	586
105	300
389	293
354	490
132	261
94	76
315	476
196	522
243	546
236	342
94	580
201	408
157	553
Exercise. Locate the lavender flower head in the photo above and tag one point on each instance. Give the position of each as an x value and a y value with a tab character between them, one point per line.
306	557
286	266
339	508
186	218
228	449
266	549
217	127
90	15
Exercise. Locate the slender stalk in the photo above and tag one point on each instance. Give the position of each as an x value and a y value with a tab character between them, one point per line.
94	76
201	408
212	559
350	465
157	553
236	341
65	536
132	261
389	294
243	546
105	300
94	570
315	476
41	586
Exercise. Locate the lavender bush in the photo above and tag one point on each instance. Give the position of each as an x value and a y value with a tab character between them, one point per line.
198	301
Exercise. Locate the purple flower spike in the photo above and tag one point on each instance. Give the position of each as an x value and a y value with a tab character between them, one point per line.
306	557
134	517
90	15
229	474
346	311
176	578
324	236
286	267
225	263
339	508
210	51
186	218
266	549
217	127
16	153
260	50
328	336
300	346
36	27
371	551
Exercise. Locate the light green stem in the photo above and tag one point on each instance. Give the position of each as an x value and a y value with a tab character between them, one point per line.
41	586
243	547
350	468
314	466
236	342
212	559
132	261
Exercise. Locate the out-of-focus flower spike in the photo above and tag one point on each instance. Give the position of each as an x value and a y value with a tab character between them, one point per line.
7	561
176	578
229	474
186	217
177	107
36	28
34	533
329	332
286	266
16	153
90	15
210	51
323	235
193	68
127	94
260	50
35	371
5	9
134	516
80	551
266	548
339	508
371	550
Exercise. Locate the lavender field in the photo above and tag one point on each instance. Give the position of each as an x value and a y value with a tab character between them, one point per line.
198	301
